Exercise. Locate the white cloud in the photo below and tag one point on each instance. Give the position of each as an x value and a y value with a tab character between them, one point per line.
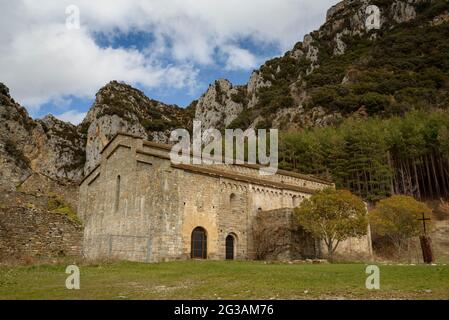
41	60
239	58
50	62
72	116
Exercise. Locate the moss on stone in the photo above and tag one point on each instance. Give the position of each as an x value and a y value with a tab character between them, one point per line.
57	205
30	206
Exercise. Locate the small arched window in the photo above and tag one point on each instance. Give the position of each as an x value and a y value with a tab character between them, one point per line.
296	201
117	193
233	202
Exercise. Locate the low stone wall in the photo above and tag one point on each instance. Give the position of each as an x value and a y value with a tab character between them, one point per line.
27	233
278	237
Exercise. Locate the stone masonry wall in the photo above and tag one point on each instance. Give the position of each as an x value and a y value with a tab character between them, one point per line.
279	237
26	233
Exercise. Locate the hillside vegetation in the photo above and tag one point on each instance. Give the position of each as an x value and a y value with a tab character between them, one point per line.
376	157
392	87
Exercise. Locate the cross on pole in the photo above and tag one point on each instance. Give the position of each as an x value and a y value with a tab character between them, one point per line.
424	220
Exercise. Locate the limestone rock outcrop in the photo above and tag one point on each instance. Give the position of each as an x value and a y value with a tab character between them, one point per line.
220	105
121	108
49	146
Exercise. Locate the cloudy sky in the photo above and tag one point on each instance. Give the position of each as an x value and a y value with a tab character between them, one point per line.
171	49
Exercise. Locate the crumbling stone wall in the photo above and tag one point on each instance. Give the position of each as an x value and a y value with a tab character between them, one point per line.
29	233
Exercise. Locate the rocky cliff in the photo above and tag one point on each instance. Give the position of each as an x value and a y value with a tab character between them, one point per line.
282	93
48	146
120	107
220	105
39	162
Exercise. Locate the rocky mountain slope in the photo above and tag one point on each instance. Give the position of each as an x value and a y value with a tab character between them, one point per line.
335	72
40	161
343	68
48	147
120	107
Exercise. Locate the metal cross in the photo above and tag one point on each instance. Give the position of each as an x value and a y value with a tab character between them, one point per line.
424	220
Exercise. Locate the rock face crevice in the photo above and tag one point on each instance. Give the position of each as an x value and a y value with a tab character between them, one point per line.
220	105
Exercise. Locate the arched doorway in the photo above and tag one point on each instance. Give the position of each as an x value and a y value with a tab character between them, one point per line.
199	243
230	247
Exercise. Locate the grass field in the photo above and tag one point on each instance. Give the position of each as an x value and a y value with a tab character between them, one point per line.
224	280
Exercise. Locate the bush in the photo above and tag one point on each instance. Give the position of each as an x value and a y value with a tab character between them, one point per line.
397	219
242	121
158	125
241	96
375	103
334	216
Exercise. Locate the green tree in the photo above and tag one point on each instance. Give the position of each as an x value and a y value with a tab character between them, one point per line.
334	216
376	158
397	219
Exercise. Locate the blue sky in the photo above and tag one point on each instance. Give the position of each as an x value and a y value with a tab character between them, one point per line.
206	75
170	49
141	40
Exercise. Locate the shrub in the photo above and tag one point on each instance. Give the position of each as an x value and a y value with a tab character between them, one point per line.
375	103
242	121
334	216
241	96
397	219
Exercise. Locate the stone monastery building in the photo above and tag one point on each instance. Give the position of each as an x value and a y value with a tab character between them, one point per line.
137	205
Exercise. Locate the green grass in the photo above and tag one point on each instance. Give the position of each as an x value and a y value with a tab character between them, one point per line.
224	280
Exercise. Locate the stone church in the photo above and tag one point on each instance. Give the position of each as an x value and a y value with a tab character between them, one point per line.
137	205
